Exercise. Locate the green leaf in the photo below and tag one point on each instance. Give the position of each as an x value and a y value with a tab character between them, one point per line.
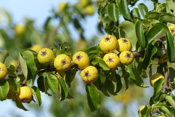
153	15
70	75
52	82
93	97
23	66
140	34
156	32
37	95
29	58
102	64
135	75
46	24
113	13
170	47
62	51
167	18
102	76
135	13
155	1
170	100
158	85
127	30
63	89
170	8
4	89
40	83
149	53
3	55
144	112
143	9
20	105
167	110
13	83
11	71
123	8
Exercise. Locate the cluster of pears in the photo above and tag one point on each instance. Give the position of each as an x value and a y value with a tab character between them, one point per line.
109	43
24	92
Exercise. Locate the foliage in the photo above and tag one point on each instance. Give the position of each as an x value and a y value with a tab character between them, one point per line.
146	29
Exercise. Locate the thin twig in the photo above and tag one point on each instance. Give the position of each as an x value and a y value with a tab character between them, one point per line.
166	78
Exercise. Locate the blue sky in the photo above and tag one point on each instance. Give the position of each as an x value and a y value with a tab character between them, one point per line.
39	10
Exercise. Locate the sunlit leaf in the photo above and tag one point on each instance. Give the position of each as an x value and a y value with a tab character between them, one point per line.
4	89
37	95
93	97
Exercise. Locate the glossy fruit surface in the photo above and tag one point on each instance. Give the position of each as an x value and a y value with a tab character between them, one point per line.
3	71
126	57
81	59
89	74
108	43
46	56
112	60
62	62
25	94
172	29
36	48
124	44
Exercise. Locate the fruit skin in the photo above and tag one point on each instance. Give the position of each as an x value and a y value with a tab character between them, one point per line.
62	62
62	6
124	44
12	93
81	59
19	29
89	74
83	3
112	60
3	71
155	77
172	29
36	48
25	94
140	109
81	45
108	43
89	10
126	57
46	56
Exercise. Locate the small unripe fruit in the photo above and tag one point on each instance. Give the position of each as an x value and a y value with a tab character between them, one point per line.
155	77
62	62
36	48
20	29
62	6
25	94
108	43
46	56
3	71
172	29
140	109
126	57
89	74
89	10
81	59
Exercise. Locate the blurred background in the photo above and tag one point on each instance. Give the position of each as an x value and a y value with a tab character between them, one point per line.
47	23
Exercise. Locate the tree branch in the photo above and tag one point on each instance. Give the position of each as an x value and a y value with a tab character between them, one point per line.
166	78
138	54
